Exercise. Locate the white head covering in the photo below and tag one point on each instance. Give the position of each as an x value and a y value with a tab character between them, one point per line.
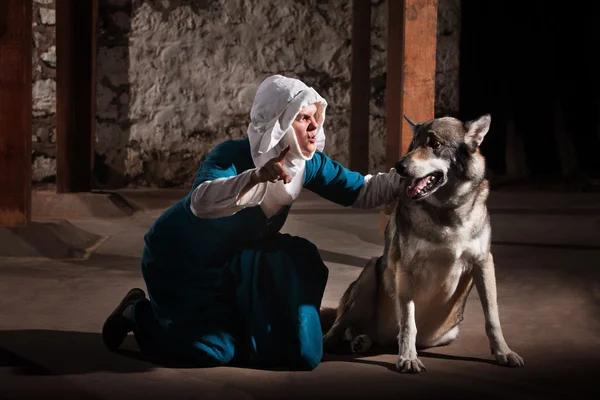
277	102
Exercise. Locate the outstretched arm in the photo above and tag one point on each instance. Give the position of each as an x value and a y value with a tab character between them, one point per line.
332	181
378	190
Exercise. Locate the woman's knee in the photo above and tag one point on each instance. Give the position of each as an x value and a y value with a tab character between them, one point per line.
310	350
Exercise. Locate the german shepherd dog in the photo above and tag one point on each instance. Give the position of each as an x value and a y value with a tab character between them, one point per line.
437	244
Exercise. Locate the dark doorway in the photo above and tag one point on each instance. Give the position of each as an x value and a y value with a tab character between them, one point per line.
531	64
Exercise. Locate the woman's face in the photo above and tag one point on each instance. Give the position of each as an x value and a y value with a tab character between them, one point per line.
305	126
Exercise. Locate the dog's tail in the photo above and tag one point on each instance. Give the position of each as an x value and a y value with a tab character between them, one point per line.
328	315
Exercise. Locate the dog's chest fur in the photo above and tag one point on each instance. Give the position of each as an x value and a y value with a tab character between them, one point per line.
435	249
437	267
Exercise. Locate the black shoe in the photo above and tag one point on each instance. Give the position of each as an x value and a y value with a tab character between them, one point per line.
116	327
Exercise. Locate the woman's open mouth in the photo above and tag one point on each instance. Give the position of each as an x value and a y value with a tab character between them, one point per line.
423	187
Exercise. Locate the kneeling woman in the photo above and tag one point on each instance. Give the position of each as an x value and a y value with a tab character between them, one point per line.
224	285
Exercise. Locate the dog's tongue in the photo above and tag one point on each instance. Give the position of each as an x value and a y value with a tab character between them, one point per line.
411	191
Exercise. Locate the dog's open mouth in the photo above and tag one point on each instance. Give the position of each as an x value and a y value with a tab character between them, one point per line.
422	187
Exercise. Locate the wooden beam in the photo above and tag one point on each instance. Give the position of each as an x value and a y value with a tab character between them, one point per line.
411	62
15	112
360	85
411	51
75	93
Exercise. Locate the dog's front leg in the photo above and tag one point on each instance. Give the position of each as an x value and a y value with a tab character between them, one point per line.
485	281
407	334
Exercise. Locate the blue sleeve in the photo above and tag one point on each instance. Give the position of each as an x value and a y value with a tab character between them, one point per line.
219	163
331	180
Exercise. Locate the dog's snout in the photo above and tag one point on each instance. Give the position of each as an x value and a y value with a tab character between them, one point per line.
401	168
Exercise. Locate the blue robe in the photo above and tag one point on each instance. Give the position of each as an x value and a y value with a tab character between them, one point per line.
235	289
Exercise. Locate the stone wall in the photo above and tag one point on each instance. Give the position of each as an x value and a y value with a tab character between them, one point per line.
176	77
44	91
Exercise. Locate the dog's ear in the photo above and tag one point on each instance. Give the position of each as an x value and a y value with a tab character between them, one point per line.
476	130
414	125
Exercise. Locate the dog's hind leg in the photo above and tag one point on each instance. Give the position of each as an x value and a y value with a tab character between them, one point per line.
332	338
327	316
358	343
356	306
336	332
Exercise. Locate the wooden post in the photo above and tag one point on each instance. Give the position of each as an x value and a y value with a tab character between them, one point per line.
410	86
75	93
360	86
15	112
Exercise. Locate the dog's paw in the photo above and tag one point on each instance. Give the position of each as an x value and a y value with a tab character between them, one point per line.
509	358
361	344
410	365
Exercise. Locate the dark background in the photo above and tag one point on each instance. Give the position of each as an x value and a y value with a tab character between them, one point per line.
522	61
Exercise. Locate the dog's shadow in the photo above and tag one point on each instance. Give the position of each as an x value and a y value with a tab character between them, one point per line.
342	353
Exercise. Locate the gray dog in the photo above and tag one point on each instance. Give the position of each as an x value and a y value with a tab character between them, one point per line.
437	245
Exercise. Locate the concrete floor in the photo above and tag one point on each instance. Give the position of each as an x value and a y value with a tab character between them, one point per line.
547	252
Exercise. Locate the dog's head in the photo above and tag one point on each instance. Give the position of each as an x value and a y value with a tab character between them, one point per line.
443	152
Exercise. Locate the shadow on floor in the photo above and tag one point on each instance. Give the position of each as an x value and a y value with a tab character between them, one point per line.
76	353
347	356
341	258
50	352
546	374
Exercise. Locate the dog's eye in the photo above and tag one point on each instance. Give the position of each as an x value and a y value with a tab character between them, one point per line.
434	144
